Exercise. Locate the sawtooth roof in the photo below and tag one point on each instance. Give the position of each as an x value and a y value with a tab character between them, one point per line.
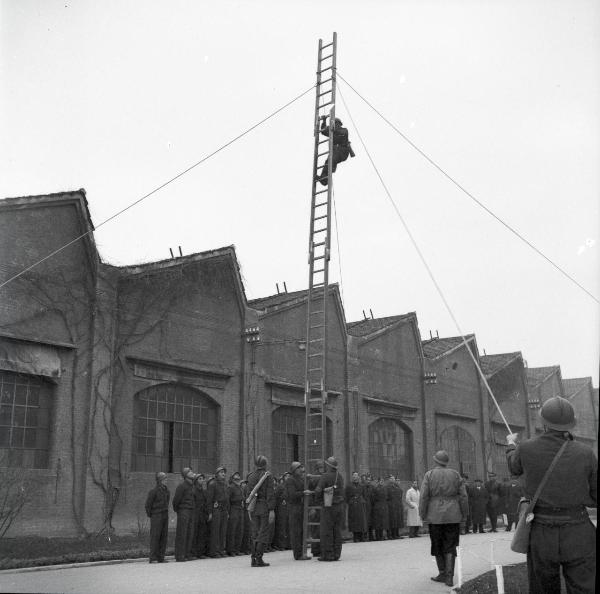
371	325
536	375
574	385
436	347
491	364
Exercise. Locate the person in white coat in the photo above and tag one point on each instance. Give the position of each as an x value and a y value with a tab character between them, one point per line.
413	519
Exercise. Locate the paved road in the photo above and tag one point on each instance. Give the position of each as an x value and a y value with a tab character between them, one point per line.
388	566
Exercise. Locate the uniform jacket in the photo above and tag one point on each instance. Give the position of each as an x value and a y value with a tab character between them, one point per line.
395	507
200	503
512	493
217	495
412	501
478	499
357	508
443	497
574	479
493	489
236	495
380	513
157	501
294	490
184	497
265	494
332	479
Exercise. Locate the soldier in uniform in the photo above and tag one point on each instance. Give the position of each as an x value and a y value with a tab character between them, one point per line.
512	495
357	517
235	525
157	509
332	516
478	500
201	533
341	147
264	512
492	486
444	506
562	535
183	506
246	537
281	539
369	497
294	495
380	509
217	499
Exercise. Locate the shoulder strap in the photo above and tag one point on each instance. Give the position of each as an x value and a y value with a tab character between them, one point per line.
548	472
257	486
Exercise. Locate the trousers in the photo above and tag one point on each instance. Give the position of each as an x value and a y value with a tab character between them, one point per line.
159	530
332	520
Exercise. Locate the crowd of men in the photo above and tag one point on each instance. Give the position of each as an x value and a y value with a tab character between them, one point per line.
212	518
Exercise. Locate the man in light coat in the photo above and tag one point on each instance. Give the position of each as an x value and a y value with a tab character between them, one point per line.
444	505
413	519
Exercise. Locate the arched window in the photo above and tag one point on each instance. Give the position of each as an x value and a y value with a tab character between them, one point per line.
461	448
288	424
174	426
390	449
25	410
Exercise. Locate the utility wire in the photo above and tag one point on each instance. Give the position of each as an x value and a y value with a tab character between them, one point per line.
465	191
163	185
337	241
429	271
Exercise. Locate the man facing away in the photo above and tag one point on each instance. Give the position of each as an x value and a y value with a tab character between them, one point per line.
157	509
562	535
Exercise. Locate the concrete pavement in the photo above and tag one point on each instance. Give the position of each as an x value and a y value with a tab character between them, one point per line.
388	566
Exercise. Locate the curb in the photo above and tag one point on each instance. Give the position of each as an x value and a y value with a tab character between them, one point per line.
75	565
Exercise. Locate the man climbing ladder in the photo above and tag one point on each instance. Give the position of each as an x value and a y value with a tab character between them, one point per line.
341	147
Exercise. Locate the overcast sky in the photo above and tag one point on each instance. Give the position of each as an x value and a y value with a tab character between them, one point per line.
118	97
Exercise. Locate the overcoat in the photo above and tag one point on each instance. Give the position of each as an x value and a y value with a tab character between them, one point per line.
443	497
380	512
395	507
412	501
357	508
478	499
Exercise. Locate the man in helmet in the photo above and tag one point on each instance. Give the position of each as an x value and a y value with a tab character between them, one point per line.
294	495
183	506
331	485
341	147
157	509
562	535
444	505
264	511
217	499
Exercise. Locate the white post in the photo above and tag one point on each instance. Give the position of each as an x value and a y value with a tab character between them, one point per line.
459	567
492	564
500	579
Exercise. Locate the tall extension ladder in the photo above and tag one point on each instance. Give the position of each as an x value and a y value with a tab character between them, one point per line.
315	393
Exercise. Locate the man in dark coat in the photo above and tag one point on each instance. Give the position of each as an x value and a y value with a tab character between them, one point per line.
380	509
512	495
316	502
369	498
235	525
200	539
281	539
478	500
467	525
562	535
264	511
332	516
357	517
217	499
157	509
341	147
294	495
395	507
492	486
247	533
183	506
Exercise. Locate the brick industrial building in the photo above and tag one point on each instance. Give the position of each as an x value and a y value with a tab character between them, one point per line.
108	374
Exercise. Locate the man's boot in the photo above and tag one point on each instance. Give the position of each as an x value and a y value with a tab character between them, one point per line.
441	564
450	558
259	555
253	564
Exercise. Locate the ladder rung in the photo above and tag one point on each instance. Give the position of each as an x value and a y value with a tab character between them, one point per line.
317	311
313	524
328	102
326	46
321	154
325	93
319	230
320	217
323	141
316	340
317	326
324	82
319	244
327	57
320	192
311	540
318	206
324	70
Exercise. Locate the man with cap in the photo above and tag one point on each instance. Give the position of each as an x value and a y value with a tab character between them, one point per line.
183	506
201	531
492	486
264	511
331	487
294	495
444	505
157	509
562	535
341	147
355	499
512	495
235	526
478	499
217	499
281	531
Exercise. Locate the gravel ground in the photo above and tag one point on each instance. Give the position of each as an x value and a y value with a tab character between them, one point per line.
388	566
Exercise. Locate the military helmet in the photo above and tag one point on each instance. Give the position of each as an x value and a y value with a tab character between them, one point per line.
294	466
338	121
442	458
260	462
332	462
558	413
160	476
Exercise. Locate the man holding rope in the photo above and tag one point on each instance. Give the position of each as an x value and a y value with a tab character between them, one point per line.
562	534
